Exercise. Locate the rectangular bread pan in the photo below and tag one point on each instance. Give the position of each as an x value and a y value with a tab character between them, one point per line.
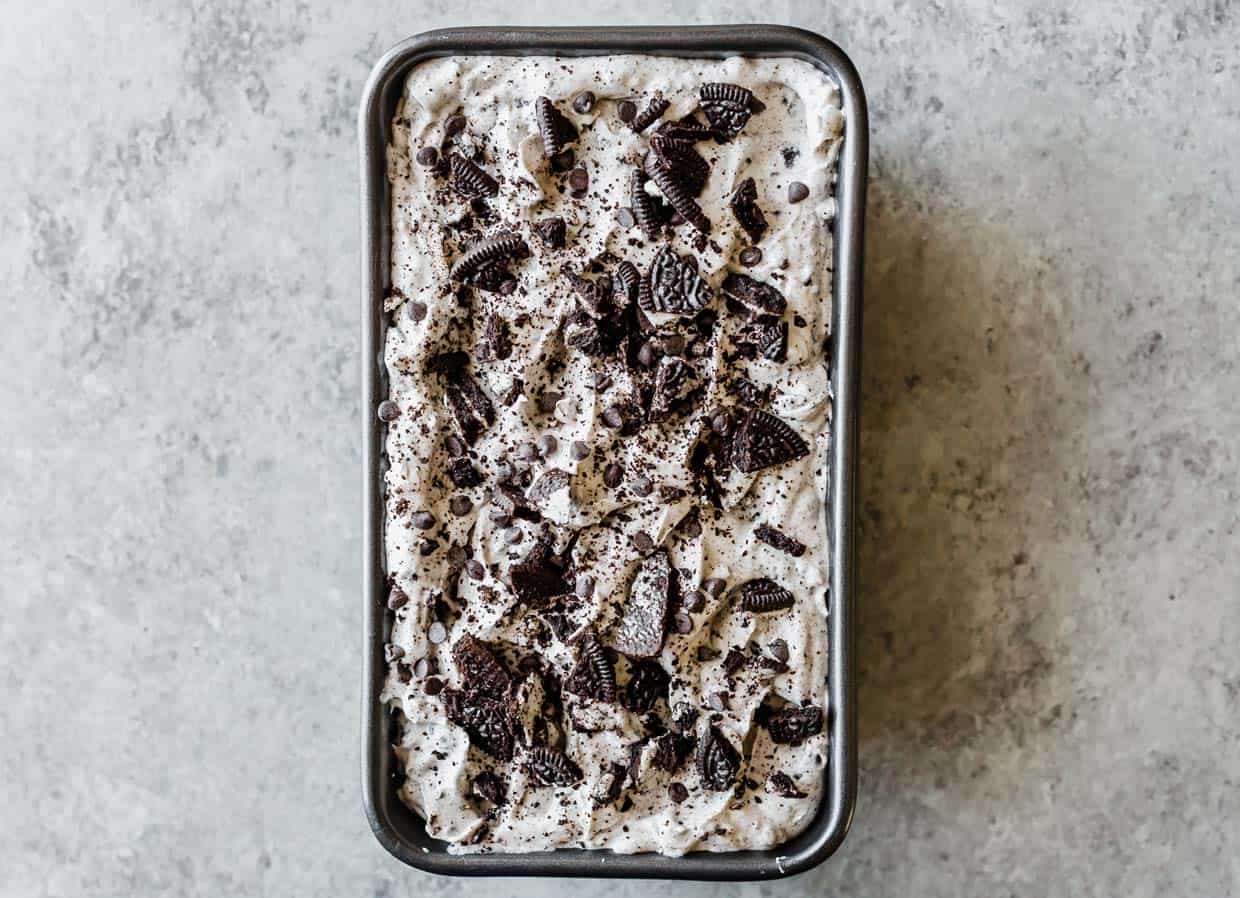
398	828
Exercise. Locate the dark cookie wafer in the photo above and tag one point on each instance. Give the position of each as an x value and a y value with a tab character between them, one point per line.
718	761
469	405
536	581
549	766
763	441
643	204
593	676
549	482
480	670
468	179
552	232
779	540
643	621
790	726
648	116
687	128
675	285
744	205
647	684
766	337
727	107
762	596
757	297
485	262
626	284
783	785
678	195
672	381
679	157
556	131
488	720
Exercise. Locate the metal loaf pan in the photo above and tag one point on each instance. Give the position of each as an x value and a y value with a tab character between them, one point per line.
400	830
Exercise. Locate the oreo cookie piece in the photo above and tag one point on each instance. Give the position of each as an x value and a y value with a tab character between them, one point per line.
755	296
556	131
687	128
536	581
469	405
593	676
783	785
748	391
763	596
489	787
549	482
764	441
717	761
779	540
480	670
648	218
744	205
626	284
643	620
468	179
583	333
484	263
675	285
488	721
766	338
549	766
648	116
671	382
463	474
680	196
791	726
647	684
681	159
595	294
727	107
496	343
552	231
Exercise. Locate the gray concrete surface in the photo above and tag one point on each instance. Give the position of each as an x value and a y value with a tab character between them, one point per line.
1050	626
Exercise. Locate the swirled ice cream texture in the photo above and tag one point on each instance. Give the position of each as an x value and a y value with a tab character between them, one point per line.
438	535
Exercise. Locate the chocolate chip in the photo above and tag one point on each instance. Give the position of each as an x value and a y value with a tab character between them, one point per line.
721	423
797	192
584	587
397	598
694	600
415	310
552	232
437	633
392	652
428	547
691	526
715	586
455	445
427	156
750	256
642	541
642	486
674	345
513	535
432	686
548	401
460	505
626	110
456	556
423	520
579	450
579	181
647	355
421	668
583	102
706	653
454	125
613	417
677	792
388	410
684	623
779	650
475	569
613	475
547	445
624	217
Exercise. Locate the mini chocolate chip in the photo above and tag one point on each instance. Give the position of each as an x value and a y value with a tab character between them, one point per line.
691	527
513	535
799	321
547	445
626	110
423	520
579	450
750	256
647	355
432	686
454	125
397	598
642	486
584	587
695	600
684	623
797	192
677	792
427	156
613	474
460	505
706	653
415	310
624	217
455	445
715	586
392	652
428	547
779	650
421	668
583	102
674	345
613	417
718	701
548	401
474	568
579	181
437	633
388	410
456	555
643	542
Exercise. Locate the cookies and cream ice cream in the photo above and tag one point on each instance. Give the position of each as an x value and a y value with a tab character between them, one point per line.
607	435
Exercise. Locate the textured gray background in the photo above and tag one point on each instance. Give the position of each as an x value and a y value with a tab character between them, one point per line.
1050	674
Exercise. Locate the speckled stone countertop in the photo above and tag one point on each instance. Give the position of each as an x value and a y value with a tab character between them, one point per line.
1050	679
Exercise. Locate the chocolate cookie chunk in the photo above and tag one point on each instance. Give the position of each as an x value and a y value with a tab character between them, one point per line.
552	232
536	581
496	343
647	684
671	382
643	621
783	785
485	262
583	333
593	676
680	196
480	669
549	766
643	204
766	337
757	297
675	285
727	107
550	482
648	116
463	474
468	179
717	761
469	405
763	596
681	159
687	128
763	441
488	721
744	205
791	726
556	131
779	540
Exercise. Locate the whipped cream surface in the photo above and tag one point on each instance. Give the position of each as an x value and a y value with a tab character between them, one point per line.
605	527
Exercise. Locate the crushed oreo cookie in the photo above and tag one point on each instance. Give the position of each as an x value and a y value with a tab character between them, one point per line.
468	179
764	441
727	107
554	128
749	216
675	286
779	540
763	596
